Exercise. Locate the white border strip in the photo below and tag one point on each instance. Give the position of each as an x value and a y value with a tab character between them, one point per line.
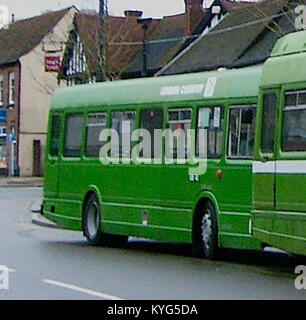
263	167
291	166
280	167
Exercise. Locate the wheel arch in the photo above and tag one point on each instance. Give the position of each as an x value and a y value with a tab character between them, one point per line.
206	196
91	190
203	198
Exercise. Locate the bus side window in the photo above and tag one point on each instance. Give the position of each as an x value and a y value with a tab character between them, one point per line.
124	123
269	118
241	134
73	138
152	120
177	137
55	135
294	124
209	132
96	122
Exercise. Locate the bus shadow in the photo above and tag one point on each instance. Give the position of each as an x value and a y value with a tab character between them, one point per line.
151	246
268	260
271	259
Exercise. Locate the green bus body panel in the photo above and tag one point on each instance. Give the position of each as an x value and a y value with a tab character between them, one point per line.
230	84
291	192
164	191
279	198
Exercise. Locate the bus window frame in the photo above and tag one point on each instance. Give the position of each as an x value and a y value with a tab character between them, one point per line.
246	105
49	141
280	154
88	113
124	109
266	156
187	107
224	110
152	160
81	156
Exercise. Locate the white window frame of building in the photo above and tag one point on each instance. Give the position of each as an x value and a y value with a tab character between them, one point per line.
92	80
1	90
12	88
77	62
71	82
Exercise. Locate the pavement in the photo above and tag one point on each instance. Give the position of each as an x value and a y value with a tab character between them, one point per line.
23	182
38	218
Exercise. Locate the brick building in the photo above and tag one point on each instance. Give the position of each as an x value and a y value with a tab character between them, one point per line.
28	49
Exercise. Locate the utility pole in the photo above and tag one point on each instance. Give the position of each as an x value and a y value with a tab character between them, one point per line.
101	76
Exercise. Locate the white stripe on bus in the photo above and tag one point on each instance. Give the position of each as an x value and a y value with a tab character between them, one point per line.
280	166
290	166
263	167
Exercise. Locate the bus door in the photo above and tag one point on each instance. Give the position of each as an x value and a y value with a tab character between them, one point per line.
176	188
235	184
290	219
52	157
264	168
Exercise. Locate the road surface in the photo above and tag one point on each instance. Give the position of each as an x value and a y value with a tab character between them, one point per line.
56	264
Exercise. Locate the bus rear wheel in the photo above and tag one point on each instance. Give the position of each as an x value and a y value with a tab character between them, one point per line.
205	238
92	226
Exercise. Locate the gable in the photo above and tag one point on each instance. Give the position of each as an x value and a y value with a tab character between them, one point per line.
24	35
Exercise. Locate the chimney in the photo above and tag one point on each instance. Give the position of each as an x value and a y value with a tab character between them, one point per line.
133	14
194	12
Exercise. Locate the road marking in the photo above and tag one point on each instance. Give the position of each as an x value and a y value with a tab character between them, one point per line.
11	270
80	289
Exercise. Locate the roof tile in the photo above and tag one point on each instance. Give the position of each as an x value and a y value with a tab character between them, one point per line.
24	35
222	49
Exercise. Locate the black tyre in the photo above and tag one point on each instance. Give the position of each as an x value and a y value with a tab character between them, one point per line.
92	221
92	226
205	233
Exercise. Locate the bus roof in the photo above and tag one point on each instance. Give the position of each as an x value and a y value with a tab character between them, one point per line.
287	62
291	43
221	84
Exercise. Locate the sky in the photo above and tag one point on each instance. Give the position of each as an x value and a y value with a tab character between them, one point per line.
150	8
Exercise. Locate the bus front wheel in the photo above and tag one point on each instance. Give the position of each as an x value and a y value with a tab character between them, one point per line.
205	233
92	226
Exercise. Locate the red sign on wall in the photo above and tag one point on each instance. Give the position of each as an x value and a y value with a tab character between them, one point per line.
52	64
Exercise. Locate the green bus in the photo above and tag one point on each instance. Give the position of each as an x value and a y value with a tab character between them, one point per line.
164	200
279	168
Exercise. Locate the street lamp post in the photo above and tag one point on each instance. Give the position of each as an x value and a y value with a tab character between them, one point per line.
145	23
